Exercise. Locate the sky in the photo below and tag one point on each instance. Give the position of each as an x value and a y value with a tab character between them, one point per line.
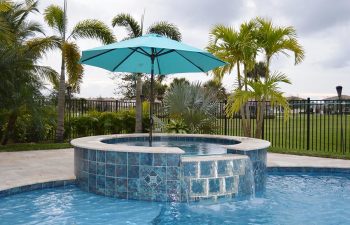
323	29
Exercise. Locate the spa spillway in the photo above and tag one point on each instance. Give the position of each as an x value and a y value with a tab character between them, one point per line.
179	167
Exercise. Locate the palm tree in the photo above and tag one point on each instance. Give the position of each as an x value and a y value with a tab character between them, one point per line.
261	91
237	48
275	40
21	77
135	29
56	18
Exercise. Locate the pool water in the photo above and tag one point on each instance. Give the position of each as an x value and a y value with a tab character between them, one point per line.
289	199
190	147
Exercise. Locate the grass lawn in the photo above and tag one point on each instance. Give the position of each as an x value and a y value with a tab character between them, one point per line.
335	155
33	146
324	132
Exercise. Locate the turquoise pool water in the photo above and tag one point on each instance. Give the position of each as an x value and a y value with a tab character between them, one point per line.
289	199
190	147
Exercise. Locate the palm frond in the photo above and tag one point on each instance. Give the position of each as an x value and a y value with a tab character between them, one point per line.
93	29
40	46
74	69
54	17
127	21
166	29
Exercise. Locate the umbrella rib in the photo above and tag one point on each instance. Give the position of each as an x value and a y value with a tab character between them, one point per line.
164	53
209	56
124	59
190	61
98	55
143	51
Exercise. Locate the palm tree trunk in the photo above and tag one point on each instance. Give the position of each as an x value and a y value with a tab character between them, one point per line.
138	125
61	104
10	127
245	120
261	105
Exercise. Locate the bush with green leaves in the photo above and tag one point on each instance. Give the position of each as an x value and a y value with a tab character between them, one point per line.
99	123
192	104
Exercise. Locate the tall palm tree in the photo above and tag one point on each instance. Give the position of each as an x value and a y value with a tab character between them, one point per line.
261	91
135	29
56	18
238	48
21	77
274	40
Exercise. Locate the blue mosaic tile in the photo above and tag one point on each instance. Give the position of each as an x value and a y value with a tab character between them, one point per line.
92	183
85	154
214	185
121	158
223	167
144	186
101	156
173	187
133	158
159	197
172	173
110	183
229	184
100	182
121	185
110	170
92	155
110	193
121	171
173	159
198	186
92	167
146	159
101	168
123	195
207	168
133	185
111	157
133	195
160	160
85	166
190	169
133	172
161	187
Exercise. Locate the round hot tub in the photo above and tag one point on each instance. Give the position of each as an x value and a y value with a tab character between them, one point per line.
178	167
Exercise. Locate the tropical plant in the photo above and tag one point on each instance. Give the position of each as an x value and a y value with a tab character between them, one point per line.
237	48
21	76
273	40
261	91
56	19
193	104
177	127
178	81
135	29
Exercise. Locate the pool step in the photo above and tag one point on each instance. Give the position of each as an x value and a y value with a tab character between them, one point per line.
214	176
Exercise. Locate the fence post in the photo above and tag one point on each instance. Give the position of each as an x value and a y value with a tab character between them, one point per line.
116	106
225	117
308	111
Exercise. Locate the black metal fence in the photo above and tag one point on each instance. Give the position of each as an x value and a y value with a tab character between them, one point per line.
316	125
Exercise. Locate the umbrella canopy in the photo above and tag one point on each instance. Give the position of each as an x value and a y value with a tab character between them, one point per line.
154	54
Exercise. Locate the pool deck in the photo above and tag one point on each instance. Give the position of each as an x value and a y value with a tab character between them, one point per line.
30	167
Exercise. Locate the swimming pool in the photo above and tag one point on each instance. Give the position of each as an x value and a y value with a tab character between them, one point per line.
189	147
288	199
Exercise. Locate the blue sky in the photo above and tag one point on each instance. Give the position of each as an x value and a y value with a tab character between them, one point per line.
323	29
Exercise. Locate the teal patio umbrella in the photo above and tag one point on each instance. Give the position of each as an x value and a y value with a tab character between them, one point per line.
151	54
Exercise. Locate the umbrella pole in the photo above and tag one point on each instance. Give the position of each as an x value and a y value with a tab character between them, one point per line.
151	103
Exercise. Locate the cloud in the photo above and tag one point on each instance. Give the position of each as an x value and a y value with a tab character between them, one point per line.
323	28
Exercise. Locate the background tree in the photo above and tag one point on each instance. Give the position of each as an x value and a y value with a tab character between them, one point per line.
56	18
237	48
216	87
178	81
21	76
135	29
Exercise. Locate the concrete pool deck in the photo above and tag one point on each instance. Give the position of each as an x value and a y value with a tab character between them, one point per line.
30	167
